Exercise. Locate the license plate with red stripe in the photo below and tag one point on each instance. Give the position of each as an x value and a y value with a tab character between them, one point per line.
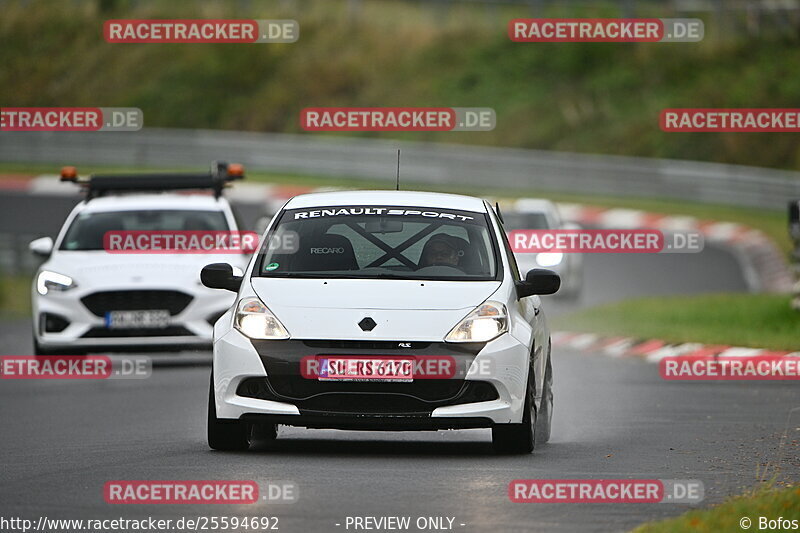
394	369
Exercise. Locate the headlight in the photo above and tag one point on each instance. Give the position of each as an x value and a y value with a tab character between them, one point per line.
483	324
53	281
256	321
548	259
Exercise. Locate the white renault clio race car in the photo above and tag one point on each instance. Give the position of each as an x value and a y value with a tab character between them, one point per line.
382	310
86	299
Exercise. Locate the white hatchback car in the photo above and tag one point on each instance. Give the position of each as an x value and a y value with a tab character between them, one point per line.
382	310
540	214
85	299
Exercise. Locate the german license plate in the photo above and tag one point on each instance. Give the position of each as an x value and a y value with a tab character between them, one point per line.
366	369
147	319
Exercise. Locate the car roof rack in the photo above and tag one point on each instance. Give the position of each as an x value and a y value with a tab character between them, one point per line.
96	185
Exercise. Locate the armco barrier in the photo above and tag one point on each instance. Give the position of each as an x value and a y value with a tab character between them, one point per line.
480	166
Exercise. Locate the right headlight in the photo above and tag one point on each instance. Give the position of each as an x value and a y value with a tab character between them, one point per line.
256	321
549	259
488	321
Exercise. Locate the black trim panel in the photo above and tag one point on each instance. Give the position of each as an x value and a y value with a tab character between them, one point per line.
370	422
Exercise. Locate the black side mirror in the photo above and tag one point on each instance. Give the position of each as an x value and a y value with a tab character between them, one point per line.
538	281
220	276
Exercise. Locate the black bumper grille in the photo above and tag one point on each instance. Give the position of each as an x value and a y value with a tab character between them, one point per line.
404	399
170	331
99	303
52	323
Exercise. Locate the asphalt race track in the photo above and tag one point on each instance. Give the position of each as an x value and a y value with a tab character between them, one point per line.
62	440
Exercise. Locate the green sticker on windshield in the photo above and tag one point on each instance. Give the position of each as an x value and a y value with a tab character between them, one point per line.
271	266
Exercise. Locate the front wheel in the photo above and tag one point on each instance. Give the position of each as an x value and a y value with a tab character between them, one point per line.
38	350
545	419
518	438
225	435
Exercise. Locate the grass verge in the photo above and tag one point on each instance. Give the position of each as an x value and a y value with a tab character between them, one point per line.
769	503
581	97
15	298
754	320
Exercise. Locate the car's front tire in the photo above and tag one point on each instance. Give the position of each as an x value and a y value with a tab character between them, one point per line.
518	438
225	435
38	350
544	419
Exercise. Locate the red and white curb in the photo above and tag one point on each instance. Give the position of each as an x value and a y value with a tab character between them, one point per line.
653	350
763	263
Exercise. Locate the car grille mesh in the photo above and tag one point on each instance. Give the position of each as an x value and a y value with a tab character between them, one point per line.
99	303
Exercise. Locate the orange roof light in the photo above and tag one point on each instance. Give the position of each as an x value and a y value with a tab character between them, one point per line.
69	173
235	169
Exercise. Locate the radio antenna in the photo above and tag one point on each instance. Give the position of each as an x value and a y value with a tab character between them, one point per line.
397	187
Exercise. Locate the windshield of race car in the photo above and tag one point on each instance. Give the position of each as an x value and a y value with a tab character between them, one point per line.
380	242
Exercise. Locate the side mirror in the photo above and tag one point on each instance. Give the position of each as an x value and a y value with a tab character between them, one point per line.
220	276
538	281
42	247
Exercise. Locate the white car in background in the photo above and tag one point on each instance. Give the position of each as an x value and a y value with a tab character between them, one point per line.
539	214
365	288
86	299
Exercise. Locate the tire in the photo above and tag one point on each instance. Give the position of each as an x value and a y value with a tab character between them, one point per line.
225	435
518	438
38	350
544	420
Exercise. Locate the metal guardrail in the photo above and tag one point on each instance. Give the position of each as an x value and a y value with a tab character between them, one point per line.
495	169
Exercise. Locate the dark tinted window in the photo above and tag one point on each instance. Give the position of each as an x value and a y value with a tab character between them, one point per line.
87	230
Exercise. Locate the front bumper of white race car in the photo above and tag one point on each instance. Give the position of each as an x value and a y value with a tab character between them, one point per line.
260	381
76	319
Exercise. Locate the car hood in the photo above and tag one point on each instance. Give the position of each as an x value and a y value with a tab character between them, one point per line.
99	268
404	310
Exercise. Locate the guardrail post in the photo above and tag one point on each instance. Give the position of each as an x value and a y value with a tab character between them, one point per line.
794	233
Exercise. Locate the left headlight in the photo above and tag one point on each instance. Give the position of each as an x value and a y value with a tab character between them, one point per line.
48	281
549	259
488	321
256	321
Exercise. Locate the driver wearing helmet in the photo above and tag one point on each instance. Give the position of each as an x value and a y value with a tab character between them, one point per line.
442	249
